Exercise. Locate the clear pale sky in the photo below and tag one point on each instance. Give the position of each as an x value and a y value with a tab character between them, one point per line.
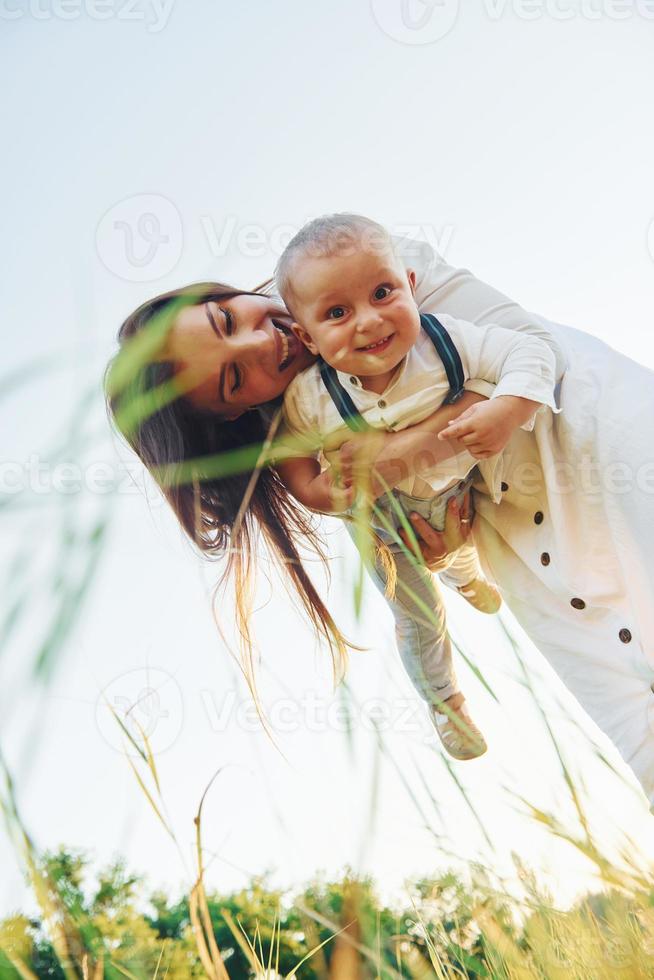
179	142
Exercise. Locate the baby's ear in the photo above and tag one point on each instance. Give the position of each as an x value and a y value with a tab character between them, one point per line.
304	337
411	277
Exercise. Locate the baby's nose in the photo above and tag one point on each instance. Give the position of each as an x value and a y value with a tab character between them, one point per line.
369	317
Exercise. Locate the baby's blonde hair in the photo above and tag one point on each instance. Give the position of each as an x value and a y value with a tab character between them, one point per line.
339	234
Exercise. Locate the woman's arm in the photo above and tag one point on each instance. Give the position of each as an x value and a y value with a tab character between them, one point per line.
442	288
393	456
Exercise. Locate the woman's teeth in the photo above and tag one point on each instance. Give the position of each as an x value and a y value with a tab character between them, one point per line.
286	346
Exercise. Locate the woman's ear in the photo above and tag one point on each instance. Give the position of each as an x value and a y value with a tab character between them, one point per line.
304	337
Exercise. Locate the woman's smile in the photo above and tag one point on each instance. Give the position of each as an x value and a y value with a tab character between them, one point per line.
236	352
288	346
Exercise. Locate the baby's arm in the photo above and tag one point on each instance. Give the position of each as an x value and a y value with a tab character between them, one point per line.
484	430
297	447
522	367
393	456
301	475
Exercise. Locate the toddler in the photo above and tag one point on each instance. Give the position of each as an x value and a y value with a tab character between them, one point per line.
382	365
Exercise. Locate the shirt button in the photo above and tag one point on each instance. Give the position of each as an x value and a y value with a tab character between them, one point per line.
577	603
545	559
353	380
539	517
381	403
625	636
505	487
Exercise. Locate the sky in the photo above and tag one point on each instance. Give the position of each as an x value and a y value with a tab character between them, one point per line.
152	144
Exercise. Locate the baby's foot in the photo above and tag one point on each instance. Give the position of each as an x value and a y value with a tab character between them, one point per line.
457	731
481	594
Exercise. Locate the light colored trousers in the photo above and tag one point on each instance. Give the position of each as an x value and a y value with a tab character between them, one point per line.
420	622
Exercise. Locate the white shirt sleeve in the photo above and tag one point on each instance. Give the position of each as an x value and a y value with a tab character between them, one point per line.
516	363
298	434
442	288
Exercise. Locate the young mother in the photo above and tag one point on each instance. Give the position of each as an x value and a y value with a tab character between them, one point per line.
569	539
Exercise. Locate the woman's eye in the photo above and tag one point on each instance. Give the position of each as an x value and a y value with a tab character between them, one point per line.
229	320
382	292
336	313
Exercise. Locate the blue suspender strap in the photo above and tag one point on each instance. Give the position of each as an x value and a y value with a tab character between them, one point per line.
346	407
448	354
445	349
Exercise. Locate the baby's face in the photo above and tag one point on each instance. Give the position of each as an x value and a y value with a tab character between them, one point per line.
357	311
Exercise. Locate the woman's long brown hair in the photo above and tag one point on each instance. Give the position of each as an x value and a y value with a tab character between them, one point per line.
210	470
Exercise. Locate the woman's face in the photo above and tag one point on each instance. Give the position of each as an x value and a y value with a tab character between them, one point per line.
236	353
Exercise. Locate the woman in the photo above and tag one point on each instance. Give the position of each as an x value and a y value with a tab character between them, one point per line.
582	592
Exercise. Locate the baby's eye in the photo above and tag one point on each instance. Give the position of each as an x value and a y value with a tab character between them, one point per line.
336	313
382	292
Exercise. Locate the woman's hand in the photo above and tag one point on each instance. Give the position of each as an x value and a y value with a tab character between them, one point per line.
435	546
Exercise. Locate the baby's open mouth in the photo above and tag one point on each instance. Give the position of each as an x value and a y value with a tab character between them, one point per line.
378	346
288	345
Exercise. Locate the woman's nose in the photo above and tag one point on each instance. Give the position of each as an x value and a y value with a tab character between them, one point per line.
255	344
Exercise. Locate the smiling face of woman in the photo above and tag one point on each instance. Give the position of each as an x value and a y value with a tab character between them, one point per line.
236	353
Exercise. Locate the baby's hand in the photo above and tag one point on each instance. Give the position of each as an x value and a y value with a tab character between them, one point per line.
485	428
357	460
332	492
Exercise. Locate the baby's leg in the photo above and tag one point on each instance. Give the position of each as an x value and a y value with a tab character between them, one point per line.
426	652
465	576
420	628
